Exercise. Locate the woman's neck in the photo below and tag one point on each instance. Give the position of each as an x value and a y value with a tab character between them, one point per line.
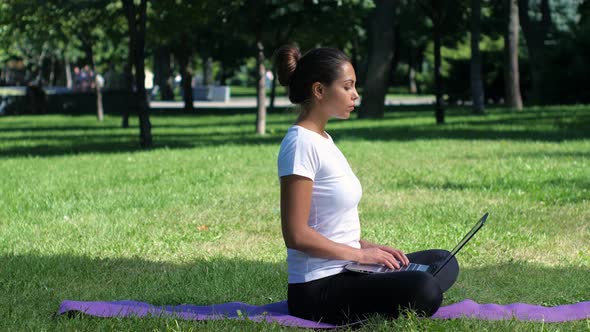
313	122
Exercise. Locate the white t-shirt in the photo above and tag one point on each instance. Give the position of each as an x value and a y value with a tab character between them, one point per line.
334	201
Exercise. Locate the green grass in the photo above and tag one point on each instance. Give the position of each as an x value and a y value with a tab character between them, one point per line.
4	91
86	215
250	91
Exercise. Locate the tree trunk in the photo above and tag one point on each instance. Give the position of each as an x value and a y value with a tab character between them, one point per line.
273	87
511	71
129	90
412	78
260	90
222	78
397	56
477	90
136	19
69	81
535	33
163	72
186	74
51	80
439	109
99	108
145	126
39	78
204	70
208	71
381	37
358	62
412	88
354	54
129	8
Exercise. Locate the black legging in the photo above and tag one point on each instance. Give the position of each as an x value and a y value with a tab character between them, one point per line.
349	296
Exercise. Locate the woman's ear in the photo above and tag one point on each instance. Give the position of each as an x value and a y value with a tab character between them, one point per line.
318	90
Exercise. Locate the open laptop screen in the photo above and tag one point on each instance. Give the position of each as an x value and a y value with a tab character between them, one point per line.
465	239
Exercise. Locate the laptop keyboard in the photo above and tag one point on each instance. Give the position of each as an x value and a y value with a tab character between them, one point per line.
409	267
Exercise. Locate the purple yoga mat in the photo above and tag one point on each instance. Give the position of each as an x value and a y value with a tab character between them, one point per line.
278	312
521	311
274	312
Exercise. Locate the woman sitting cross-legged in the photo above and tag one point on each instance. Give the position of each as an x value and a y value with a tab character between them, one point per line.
319	198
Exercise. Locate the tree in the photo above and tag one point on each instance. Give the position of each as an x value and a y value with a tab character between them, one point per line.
172	27
414	35
381	41
88	35
272	23
189	29
511	71
258	12
55	29
445	17
255	15
311	24
286	24
184	55
136	21
163	72
25	34
435	11
535	33
477	91
260	90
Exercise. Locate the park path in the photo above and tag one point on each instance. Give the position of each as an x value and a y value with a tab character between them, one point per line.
250	102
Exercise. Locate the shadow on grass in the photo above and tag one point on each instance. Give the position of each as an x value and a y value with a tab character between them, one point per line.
218	280
129	143
42	280
34	285
547	126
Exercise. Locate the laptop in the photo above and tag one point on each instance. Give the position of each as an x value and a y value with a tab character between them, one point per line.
432	269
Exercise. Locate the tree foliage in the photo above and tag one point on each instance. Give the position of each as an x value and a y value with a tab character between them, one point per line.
431	41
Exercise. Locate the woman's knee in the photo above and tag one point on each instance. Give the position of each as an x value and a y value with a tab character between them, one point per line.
428	296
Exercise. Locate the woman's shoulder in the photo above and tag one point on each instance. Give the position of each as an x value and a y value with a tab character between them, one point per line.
299	153
294	136
301	136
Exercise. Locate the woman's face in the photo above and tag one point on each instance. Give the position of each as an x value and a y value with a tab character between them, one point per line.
338	99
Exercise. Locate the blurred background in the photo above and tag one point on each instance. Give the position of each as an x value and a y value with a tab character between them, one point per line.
127	57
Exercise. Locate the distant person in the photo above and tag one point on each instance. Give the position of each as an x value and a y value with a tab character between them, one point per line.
36	99
77	79
87	79
269	77
319	198
83	80
99	81
111	78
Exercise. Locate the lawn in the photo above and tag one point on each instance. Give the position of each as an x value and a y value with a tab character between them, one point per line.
86	215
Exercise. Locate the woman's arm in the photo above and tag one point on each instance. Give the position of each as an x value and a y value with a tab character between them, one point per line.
296	194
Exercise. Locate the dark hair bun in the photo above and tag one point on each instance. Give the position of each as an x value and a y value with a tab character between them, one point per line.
286	59
299	72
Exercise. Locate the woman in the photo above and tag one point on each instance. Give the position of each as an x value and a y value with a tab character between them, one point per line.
319	198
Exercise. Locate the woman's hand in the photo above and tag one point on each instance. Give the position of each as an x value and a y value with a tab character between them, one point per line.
398	254
378	254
